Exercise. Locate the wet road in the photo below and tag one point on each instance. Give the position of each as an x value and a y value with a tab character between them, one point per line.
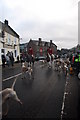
43	96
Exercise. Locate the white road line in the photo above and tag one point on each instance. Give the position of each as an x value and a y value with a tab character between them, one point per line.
62	110
15	75
18	75
64	97
11	77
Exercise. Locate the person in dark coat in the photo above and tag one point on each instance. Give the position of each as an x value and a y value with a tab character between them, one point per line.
12	59
18	58
3	60
30	53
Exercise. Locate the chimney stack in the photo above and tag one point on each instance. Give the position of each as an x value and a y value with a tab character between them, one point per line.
6	22
39	39
51	41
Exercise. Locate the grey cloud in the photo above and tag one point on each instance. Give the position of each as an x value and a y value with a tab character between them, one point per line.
62	33
49	31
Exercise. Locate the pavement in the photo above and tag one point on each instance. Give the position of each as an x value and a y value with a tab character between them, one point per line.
72	98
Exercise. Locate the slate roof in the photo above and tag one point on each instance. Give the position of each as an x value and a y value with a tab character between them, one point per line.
37	41
9	30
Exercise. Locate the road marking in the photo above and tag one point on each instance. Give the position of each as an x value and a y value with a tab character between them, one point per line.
15	75
64	97
19	74
11	77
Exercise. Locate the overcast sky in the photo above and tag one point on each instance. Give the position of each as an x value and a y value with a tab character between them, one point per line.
55	20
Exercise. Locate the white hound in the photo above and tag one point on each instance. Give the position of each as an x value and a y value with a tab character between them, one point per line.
9	93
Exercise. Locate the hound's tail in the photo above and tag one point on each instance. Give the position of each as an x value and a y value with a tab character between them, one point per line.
14	83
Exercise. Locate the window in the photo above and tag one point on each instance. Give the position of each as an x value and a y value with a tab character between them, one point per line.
9	39
15	41
15	53
2	50
12	42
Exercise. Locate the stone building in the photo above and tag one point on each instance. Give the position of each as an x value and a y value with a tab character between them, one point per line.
9	40
40	47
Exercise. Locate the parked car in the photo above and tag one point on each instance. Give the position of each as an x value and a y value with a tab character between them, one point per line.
40	58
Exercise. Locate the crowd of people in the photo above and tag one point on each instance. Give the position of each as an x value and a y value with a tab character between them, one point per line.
8	59
70	63
75	62
29	57
74	59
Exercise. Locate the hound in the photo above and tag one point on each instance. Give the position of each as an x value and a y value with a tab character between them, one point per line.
59	70
50	62
7	94
30	71
26	70
66	69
